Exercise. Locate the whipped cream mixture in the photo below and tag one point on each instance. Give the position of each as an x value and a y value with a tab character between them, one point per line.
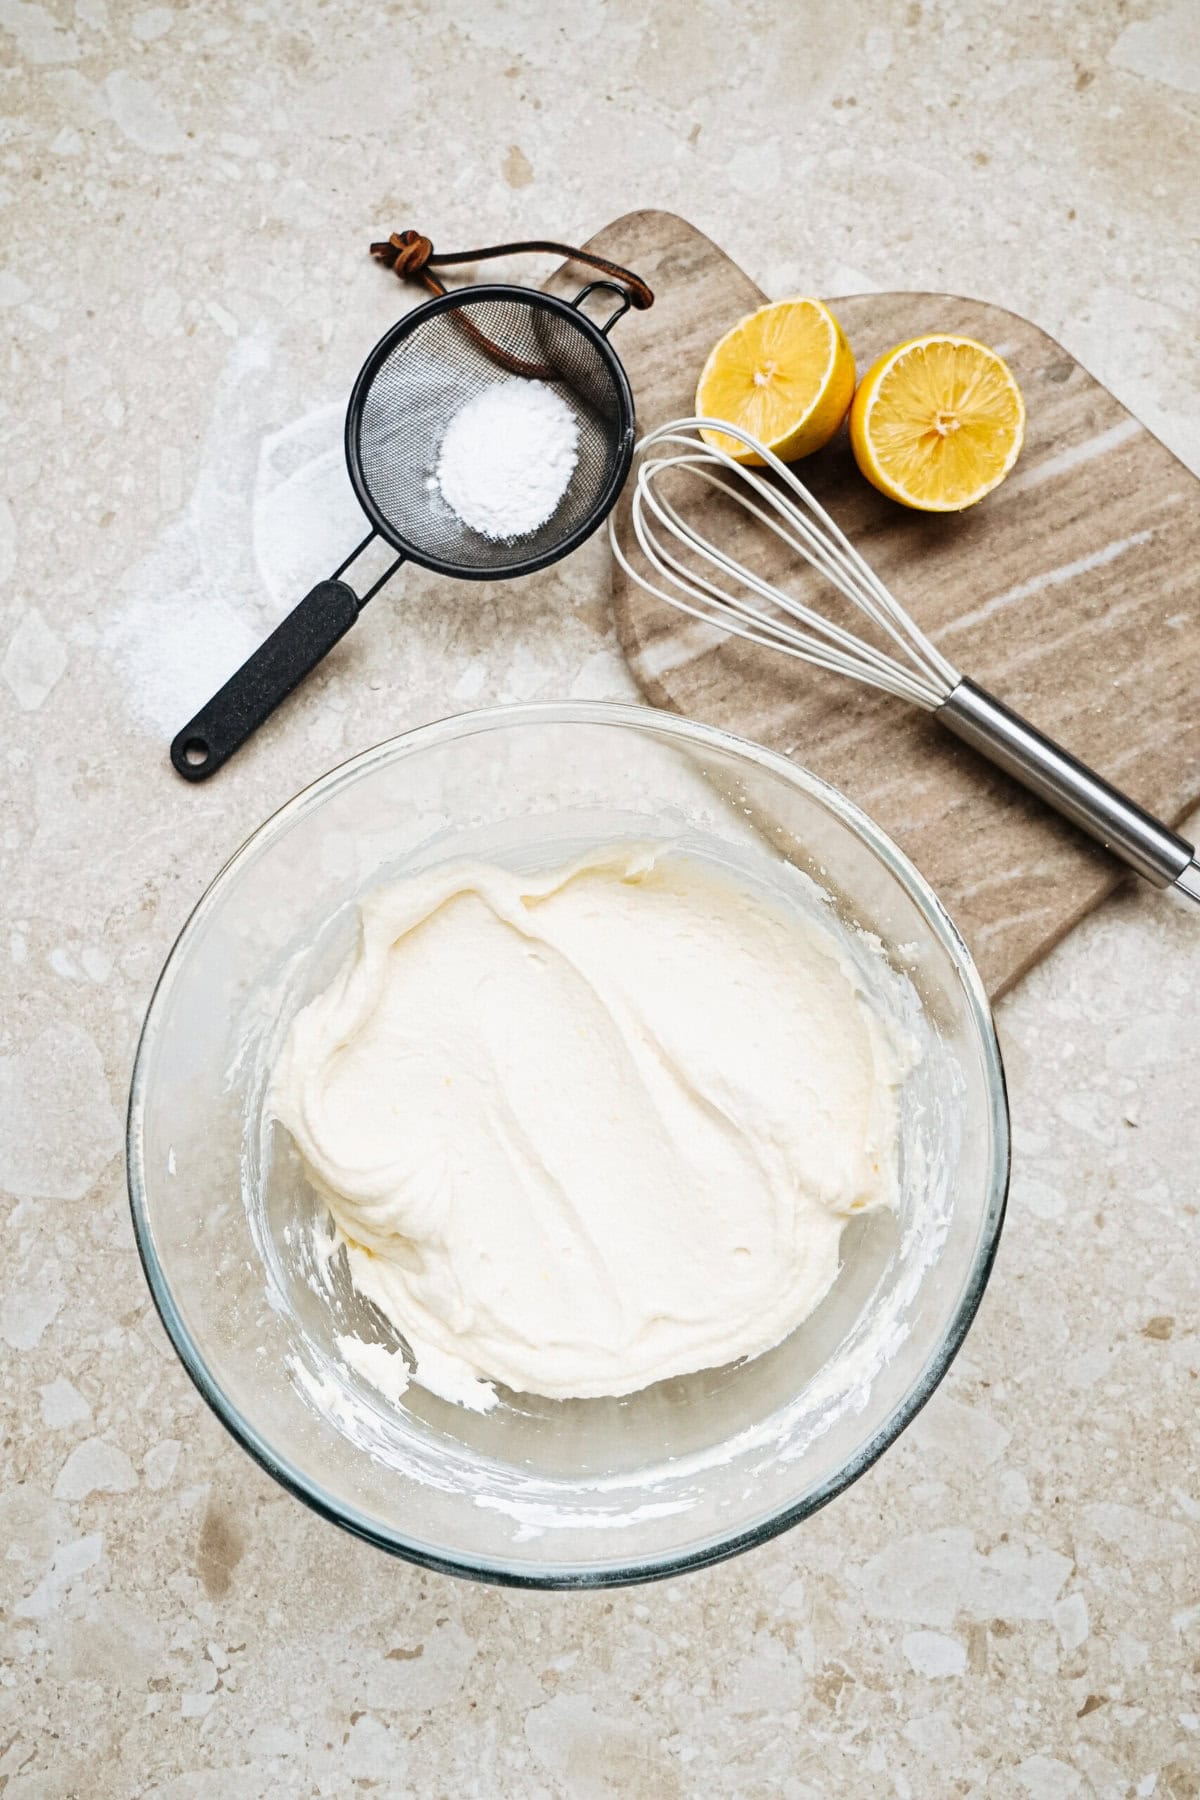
587	1129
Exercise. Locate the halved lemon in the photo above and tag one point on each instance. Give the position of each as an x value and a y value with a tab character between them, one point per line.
937	422
785	374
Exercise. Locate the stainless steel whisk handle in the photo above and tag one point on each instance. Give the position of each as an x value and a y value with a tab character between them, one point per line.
1067	784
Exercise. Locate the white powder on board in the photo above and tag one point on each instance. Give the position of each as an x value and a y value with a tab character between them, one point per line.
507	457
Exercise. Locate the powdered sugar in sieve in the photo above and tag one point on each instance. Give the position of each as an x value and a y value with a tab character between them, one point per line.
507	457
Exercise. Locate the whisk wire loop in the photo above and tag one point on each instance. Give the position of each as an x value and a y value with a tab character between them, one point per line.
842	655
658	556
791	513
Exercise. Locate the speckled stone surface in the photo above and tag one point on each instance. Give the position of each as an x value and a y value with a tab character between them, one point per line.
1008	1605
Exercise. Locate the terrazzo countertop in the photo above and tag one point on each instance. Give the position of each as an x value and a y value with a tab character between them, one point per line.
1008	1604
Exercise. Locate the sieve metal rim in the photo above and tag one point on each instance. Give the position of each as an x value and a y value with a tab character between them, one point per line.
625	438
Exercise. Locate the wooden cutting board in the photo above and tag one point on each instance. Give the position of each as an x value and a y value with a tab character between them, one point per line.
1071	592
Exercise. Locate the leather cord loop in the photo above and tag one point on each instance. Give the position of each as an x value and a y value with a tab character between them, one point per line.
412	256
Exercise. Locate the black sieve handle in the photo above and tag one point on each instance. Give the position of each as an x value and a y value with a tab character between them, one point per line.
265	679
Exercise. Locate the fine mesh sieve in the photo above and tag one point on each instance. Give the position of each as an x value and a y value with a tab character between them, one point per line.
417	378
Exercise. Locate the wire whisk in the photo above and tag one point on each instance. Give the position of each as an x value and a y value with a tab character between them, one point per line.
690	572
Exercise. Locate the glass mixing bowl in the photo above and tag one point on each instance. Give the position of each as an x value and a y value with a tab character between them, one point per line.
539	1492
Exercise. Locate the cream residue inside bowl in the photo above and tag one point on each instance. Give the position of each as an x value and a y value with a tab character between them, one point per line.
585	1130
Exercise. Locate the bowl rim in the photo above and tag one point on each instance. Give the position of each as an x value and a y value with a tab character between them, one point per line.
616	1571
